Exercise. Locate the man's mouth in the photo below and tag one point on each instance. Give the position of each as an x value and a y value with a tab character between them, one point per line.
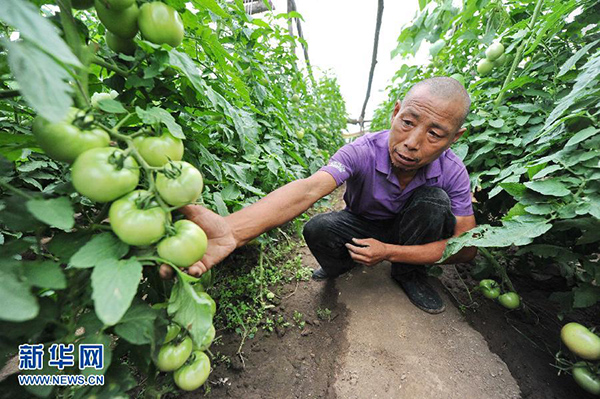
403	159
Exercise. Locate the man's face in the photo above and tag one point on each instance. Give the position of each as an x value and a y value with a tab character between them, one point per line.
423	126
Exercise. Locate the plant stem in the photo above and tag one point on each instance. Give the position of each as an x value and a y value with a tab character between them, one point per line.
499	269
111	67
519	55
16	190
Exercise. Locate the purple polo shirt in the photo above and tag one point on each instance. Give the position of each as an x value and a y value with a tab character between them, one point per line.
373	191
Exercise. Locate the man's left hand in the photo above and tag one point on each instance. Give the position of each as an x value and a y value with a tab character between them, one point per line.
367	251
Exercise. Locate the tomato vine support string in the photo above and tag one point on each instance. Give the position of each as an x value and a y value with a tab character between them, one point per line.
519	55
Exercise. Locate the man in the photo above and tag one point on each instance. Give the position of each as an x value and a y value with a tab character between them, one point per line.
406	194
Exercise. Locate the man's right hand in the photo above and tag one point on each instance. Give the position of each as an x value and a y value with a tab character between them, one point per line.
221	241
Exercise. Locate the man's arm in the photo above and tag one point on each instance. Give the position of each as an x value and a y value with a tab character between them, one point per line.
372	251
280	206
430	253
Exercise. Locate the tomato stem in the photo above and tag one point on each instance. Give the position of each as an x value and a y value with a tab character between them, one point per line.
498	268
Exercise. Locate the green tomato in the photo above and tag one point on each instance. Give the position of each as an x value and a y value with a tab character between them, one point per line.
581	341
180	185
82	4
65	142
213	304
195	373
157	151
585	378
117	5
186	247
300	134
510	300
498	62
122	23
484	66
103	174
494	51
119	45
489	289
161	24
137	219
208	338
295	98
173	355
172	331
459	77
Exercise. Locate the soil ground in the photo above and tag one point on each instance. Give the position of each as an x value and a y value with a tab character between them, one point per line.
376	344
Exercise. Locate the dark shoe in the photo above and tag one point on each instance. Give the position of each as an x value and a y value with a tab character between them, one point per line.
420	292
320	274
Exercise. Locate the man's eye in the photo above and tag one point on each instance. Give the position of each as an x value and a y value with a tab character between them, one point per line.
407	122
434	134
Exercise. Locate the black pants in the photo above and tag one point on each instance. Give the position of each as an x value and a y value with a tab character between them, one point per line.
426	217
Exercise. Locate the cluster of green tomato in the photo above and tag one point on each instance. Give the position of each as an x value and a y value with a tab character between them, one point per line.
491	290
179	354
158	22
494	57
104	174
585	344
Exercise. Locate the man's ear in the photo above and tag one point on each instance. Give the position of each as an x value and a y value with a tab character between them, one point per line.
458	134
396	109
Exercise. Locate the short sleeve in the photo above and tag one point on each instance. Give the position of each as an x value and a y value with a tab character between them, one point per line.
344	164
459	191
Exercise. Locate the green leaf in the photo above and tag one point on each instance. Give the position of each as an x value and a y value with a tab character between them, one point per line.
576	57
497	123
585	296
517	190
552	187
18	303
154	114
190	310
512	232
517	210
111	106
582	135
546	171
43	82
114	284
45	274
96	339
64	245
211	5
55	212
137	325
31	25
105	246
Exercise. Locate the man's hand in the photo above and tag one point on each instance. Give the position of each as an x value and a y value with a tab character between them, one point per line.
220	240
369	253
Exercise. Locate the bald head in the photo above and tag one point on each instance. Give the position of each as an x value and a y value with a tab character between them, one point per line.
447	89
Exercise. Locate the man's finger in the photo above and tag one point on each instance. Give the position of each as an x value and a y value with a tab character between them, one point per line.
197	269
357	250
358	258
361	241
165	272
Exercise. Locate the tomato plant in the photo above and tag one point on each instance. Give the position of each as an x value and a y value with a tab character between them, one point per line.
173	355
191	376
161	24
179	183
581	341
137	219
104	174
186	246
585	378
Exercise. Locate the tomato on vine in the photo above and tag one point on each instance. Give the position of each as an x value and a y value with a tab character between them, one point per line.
494	51
586	378
161	24
581	341
120	45
158	150
179	183
484	66
173	330
509	300
193	374
117	5
122	23
104	174
489	288
186	246
64	141
137	219
173	355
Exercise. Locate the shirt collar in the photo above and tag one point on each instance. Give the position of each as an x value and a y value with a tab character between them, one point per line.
384	165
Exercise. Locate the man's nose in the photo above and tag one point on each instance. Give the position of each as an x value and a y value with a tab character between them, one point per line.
412	142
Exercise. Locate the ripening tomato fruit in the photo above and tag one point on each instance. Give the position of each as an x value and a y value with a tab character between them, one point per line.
459	77
295	98
161	24
117	5
122	23
186	247
157	151
120	45
484	66
585	378
137	219
494	51
173	355
581	341
300	134
510	300
65	142
498	62
193	374
179	184
104	174
489	289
